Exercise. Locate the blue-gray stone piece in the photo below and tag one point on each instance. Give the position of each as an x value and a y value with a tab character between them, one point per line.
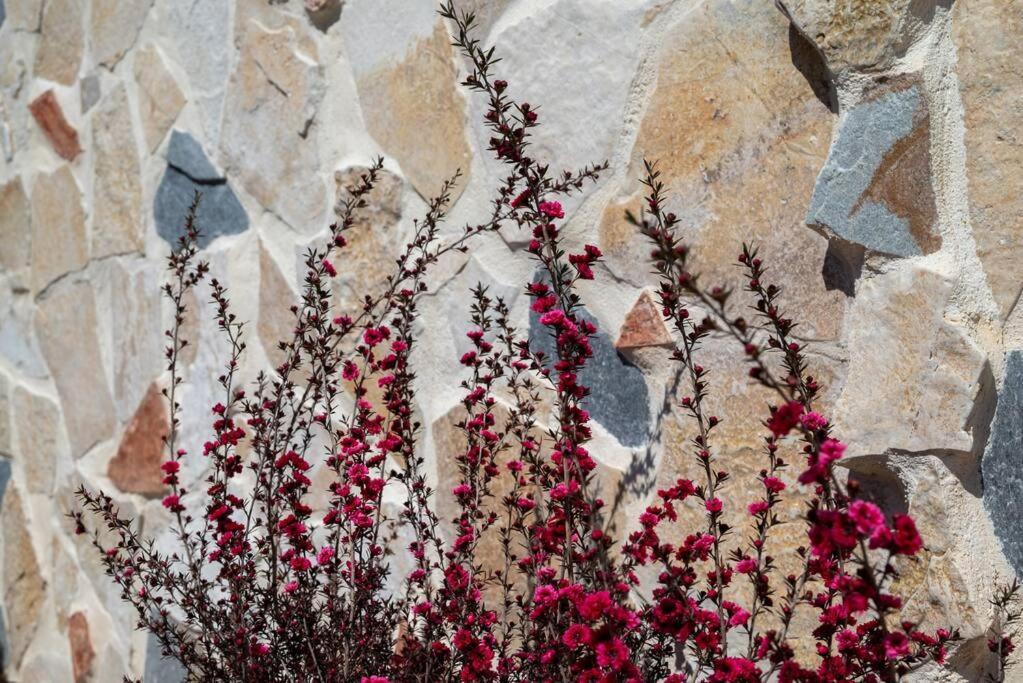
618	397
5	477
160	669
868	151
3	13
190	170
1002	465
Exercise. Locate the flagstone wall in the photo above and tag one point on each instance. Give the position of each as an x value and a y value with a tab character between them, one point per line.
872	147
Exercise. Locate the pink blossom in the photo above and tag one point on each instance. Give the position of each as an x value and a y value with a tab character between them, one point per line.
552	209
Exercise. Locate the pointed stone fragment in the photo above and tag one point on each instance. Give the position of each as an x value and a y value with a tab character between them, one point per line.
276	297
40	439
117	197
160	99
114	27
136	467
82	653
50	117
23	584
643	326
15	226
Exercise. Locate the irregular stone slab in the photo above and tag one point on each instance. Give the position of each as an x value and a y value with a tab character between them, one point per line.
619	400
50	117
24	15
160	669
114	27
1002	466
136	467
60	46
860	34
24	587
5	479
136	332
875	188
89	92
117	226
82	652
913	375
373	240
989	39
269	140
189	171
40	439
58	243
414	110
643	326
65	326
276	296
159	99
722	123
15	226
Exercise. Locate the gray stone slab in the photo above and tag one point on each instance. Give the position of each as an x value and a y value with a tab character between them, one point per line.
1002	465
619	399
160	669
189	170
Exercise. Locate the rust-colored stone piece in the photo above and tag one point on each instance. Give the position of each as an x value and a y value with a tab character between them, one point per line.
82	654
136	467
50	117
643	326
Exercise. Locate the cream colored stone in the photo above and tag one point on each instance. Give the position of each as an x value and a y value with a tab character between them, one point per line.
117	197
25	15
136	332
40	439
114	27
159	98
989	40
65	327
913	374
58	245
6	415
61	43
269	138
414	110
15	226
23	584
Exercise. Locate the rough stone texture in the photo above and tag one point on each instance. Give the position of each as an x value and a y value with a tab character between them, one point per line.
643	326
1002	466
23	585
913	374
190	171
136	467
65	327
6	419
58	242
160	669
875	189
82	654
160	98
117	196
989	43
15	226
50	117
114	26
136	338
725	123
858	34
40	439
61	42
416	100
269	137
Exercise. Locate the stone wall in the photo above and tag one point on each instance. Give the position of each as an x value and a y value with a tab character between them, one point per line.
872	146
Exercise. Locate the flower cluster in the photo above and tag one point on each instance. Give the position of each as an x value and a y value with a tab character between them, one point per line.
522	578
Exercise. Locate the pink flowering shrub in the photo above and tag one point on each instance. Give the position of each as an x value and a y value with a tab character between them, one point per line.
263	589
